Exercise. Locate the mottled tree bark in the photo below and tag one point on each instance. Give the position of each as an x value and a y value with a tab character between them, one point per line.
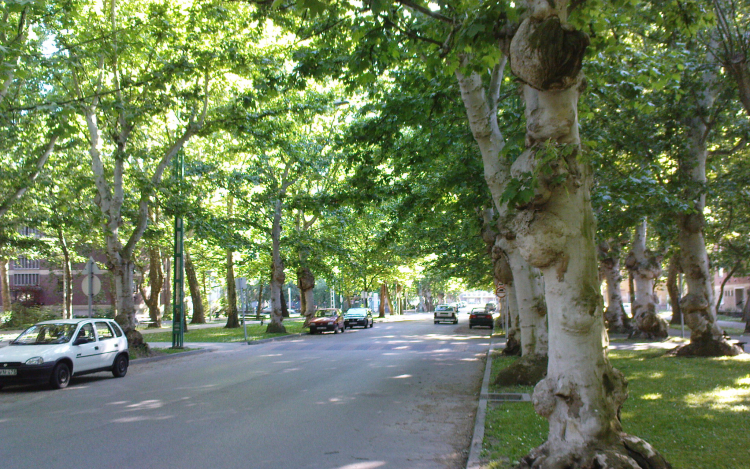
277	274
233	319
582	393
306	284
645	268
156	282
697	306
673	274
609	266
199	313
67	312
5	281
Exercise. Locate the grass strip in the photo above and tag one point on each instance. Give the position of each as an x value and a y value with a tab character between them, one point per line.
695	411
221	334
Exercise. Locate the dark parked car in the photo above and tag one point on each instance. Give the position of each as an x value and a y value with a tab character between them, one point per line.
481	317
358	317
329	319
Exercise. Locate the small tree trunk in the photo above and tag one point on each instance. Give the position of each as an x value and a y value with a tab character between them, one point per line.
232	316
156	282
609	266
199	314
277	273
645	269
306	284
746	315
5	284
67	312
532	309
673	289
259	306
381	305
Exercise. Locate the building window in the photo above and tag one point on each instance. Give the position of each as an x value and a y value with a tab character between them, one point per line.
26	231
23	263
25	280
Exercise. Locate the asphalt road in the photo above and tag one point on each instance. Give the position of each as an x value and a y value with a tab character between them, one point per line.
400	395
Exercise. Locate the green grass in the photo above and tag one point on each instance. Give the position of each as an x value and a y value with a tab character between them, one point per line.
724	317
221	334
695	411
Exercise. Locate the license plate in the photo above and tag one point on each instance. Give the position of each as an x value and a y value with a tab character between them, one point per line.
8	372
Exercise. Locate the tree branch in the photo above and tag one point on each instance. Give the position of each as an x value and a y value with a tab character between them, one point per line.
26	183
425	11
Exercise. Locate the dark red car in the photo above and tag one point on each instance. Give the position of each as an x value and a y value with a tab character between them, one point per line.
328	319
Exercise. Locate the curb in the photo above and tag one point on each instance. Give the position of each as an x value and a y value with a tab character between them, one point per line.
168	356
273	339
476	441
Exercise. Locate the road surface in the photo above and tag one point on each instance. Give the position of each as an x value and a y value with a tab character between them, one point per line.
399	395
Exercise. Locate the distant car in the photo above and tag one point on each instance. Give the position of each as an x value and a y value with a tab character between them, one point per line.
626	307
358	317
481	317
328	319
490	307
446	313
54	351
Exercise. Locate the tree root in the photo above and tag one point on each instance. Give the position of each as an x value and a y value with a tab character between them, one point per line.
707	348
629	452
527	371
275	328
512	348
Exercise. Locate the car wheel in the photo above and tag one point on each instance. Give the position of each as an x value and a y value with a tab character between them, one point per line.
120	366
455	321
470	326
60	376
1	387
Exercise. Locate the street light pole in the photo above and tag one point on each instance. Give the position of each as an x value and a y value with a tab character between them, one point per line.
178	295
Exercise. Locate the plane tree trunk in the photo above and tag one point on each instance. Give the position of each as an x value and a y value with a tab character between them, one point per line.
233	319
67	312
306	284
697	306
5	284
156	282
199	314
645	268
673	274
582	393
609	266
277	273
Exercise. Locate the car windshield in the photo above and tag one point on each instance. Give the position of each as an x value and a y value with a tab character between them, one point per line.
444	308
323	313
46	334
356	312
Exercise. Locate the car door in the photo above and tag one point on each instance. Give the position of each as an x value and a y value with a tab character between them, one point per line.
109	346
86	349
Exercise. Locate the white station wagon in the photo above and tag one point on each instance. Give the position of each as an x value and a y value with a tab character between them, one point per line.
53	351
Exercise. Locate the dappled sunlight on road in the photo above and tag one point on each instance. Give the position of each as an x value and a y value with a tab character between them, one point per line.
363	465
142	418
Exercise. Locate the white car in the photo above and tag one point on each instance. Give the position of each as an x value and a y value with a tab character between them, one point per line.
54	351
446	313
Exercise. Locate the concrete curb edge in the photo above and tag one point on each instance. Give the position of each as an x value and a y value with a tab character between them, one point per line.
476	441
168	356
